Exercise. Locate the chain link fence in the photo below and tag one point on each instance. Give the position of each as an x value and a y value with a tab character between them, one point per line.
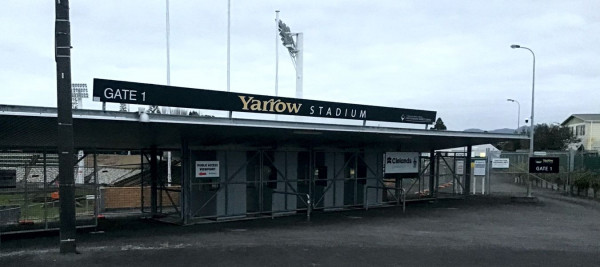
579	173
29	198
107	183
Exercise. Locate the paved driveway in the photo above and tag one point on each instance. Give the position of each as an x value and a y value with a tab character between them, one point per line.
478	231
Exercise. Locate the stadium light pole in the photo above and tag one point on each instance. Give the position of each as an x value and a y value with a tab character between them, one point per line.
531	130
296	51
518	112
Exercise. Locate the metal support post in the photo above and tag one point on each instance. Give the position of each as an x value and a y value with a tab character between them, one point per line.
186	182
96	190
276	52
153	181
438	156
431	172
468	170
488	172
299	64
45	192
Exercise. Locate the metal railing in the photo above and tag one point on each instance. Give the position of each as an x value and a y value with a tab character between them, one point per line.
305	201
402	195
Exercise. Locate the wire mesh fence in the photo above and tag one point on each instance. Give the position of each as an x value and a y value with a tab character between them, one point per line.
578	173
107	183
29	198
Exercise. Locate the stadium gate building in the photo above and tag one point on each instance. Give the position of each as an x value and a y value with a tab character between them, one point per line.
229	168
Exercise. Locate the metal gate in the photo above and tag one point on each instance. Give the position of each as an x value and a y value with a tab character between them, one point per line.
514	179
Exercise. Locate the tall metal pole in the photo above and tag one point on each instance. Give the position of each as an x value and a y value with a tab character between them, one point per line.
532	130
276	52
299	63
229	49
168	33
531	148
64	139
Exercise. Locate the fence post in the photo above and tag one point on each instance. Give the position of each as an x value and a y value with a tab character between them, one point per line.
431	172
153	181
468	170
488	169
572	154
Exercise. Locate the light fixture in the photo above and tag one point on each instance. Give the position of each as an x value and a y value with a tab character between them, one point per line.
143	115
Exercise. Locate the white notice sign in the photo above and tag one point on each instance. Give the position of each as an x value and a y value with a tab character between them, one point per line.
479	167
401	162
460	167
500	163
207	169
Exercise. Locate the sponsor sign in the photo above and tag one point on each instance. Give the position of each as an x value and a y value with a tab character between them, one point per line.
460	167
172	96
543	165
401	162
479	167
500	163
207	169
8	178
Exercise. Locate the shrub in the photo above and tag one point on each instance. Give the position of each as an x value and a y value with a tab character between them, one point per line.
583	181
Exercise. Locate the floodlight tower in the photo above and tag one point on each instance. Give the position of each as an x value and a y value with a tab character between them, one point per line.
79	91
296	50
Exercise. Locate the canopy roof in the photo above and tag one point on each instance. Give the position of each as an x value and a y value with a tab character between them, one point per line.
35	128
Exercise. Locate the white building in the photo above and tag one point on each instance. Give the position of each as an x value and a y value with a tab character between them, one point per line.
586	127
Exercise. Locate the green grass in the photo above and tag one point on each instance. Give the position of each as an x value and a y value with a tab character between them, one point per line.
35	210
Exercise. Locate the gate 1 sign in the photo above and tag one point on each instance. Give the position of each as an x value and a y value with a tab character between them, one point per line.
543	165
401	162
207	169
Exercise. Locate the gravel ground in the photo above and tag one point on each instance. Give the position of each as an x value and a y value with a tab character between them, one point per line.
491	230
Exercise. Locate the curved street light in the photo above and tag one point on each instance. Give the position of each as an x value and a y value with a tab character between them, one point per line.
515	46
518	112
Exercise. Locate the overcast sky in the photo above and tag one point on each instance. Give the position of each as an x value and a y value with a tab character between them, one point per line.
453	57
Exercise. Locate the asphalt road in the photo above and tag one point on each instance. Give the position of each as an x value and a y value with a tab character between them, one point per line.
491	231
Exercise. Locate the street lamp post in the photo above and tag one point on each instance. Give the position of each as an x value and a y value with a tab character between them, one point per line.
514	46
518	113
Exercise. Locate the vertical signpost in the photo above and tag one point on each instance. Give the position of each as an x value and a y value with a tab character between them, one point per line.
480	167
65	127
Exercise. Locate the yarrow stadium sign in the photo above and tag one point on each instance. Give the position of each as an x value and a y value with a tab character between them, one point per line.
172	96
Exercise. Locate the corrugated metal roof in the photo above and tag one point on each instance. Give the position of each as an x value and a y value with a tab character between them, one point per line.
35	127
584	117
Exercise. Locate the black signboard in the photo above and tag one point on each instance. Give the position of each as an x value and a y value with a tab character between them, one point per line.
543	165
8	178
172	96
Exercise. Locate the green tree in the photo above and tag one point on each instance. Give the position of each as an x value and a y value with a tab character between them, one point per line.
553	137
546	137
439	125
